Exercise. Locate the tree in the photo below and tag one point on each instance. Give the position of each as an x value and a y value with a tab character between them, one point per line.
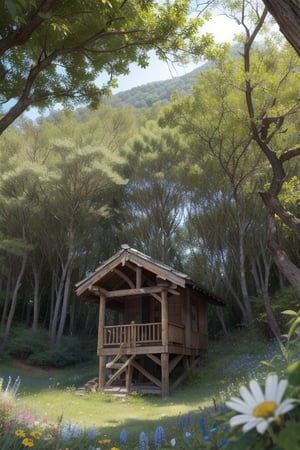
57	188
287	15
154	200
216	117
272	112
61	51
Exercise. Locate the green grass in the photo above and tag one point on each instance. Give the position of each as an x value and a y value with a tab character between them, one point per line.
52	395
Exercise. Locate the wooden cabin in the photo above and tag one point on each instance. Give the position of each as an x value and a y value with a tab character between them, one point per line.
152	322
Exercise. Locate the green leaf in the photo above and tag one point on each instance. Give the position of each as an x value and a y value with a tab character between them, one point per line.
289	312
294	373
289	437
293	327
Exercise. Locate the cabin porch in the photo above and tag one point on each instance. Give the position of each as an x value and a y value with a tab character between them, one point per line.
135	357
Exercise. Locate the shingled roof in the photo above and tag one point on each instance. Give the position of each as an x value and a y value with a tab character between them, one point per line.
106	273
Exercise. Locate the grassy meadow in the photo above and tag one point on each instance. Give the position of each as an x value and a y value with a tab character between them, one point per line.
51	394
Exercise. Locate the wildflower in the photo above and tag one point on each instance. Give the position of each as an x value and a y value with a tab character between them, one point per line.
225	440
114	448
20	433
36	434
123	437
71	431
173	442
159	436
259	409
202	426
27	442
143	441
104	441
188	434
92	433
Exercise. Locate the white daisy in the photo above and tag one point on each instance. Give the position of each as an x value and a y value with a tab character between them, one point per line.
259	409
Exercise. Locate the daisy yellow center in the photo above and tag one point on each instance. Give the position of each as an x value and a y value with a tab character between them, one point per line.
265	409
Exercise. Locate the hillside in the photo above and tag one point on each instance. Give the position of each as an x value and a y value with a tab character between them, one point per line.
146	95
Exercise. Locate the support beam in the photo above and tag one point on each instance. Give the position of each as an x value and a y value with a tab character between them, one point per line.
165	384
146	374
102	359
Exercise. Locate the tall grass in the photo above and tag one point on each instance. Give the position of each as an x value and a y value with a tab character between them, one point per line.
52	395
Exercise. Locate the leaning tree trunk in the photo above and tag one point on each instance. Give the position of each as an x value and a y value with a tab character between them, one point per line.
287	15
14	300
282	260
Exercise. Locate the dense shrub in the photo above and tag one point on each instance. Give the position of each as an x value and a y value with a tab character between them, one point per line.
24	342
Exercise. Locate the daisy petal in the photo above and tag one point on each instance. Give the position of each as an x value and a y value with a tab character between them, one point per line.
285	406
262	426
239	419
256	391
252	423
271	387
281	390
246	395
239	406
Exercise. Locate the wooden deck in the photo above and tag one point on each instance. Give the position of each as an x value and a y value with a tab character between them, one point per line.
133	335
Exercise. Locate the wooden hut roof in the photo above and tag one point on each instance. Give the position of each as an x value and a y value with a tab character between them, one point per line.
115	271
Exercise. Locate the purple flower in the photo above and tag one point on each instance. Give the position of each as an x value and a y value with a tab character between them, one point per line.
92	433
159	436
143	441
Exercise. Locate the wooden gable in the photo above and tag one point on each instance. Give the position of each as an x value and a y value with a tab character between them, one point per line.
134	273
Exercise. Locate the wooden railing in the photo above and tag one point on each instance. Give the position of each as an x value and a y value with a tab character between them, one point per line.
141	334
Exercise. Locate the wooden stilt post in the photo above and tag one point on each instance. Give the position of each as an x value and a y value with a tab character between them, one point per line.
102	359
165	384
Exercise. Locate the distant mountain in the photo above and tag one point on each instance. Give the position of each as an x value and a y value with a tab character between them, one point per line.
158	91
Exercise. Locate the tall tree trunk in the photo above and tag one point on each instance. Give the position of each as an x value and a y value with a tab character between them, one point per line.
261	277
287	15
283	262
36	294
14	300
276	159
7	296
246	299
64	308
55	326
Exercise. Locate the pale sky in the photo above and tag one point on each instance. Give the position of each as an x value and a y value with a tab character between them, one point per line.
222	28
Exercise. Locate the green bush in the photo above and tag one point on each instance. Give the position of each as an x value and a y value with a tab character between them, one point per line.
24	342
68	353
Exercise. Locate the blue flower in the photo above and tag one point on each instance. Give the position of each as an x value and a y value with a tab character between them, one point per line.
223	409
92	433
71	431
159	436
225	440
188	434
202	426
143	441
123	437
184	422
212	430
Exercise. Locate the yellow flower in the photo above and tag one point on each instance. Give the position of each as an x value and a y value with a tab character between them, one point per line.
36	434
20	433
28	442
104	441
114	448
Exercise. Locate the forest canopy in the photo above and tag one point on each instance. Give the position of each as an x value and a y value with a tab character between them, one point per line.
207	182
